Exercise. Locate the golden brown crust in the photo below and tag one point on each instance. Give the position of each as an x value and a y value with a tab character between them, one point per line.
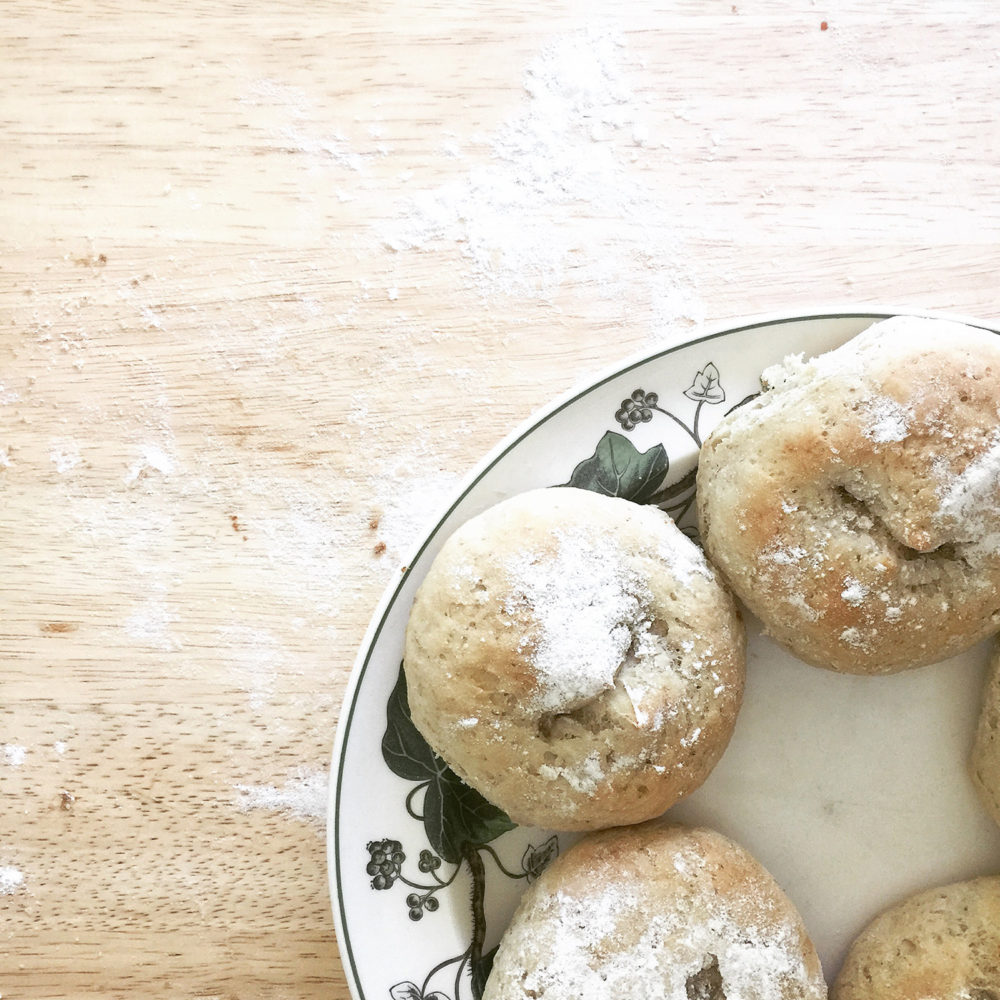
659	912
855	506
942	944
575	659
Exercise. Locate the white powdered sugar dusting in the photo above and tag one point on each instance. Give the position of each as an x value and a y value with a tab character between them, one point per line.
588	606
852	636
685	559
584	777
777	374
785	555
888	420
619	940
854	592
808	612
970	502
636	694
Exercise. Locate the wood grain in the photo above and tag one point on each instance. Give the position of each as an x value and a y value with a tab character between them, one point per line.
230	397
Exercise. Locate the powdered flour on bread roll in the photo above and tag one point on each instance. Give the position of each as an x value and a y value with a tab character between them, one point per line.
855	505
658	913
985	761
943	944
574	658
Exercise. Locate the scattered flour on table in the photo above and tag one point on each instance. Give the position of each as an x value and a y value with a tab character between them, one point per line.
150	625
11	879
65	455
304	128
302	536
152	458
559	174
409	505
303	795
256	657
14	755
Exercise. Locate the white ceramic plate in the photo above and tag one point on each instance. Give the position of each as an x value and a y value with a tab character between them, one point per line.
852	791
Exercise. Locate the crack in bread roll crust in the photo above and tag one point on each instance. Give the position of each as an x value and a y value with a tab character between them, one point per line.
574	658
943	943
658	912
854	506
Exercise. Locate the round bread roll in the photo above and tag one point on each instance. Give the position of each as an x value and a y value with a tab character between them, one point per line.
573	657
943	944
659	913
854	505
985	760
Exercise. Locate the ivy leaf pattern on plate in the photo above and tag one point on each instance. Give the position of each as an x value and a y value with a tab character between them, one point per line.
454	814
410	991
459	825
404	749
481	972
706	387
618	469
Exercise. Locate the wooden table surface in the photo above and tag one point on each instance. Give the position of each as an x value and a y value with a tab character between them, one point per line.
274	276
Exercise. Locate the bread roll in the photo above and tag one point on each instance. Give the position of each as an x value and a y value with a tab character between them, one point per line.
942	944
656	912
573	657
854	506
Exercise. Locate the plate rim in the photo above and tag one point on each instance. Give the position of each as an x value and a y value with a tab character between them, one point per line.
535	419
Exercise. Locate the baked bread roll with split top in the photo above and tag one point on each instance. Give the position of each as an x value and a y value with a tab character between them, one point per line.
574	658
942	944
655	912
854	506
